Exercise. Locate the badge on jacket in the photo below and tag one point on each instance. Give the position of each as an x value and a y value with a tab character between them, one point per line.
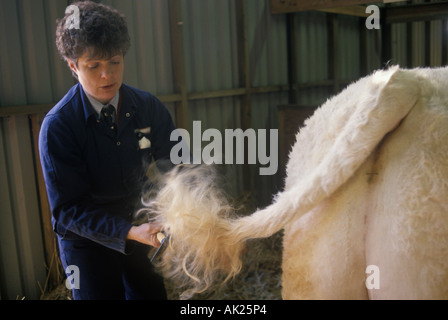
143	142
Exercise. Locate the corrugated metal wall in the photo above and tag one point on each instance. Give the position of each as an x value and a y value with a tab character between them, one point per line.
33	74
211	64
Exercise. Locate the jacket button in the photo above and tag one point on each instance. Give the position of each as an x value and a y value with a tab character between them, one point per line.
118	143
128	114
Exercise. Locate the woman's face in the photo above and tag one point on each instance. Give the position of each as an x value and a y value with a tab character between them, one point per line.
100	78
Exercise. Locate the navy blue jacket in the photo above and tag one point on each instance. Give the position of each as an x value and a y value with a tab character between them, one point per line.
93	175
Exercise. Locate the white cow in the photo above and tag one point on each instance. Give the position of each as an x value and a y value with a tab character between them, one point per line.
366	187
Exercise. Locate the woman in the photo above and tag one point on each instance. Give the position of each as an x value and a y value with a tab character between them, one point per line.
95	160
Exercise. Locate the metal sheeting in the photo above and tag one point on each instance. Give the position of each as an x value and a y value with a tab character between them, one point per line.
267	45
313	56
32	72
349	48
209	45
212	64
148	63
313	49
264	117
21	248
425	39
267	48
26	78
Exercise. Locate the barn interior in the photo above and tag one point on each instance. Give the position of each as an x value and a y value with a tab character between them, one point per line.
249	64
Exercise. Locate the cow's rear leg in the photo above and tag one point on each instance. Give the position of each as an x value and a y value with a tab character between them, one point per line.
323	255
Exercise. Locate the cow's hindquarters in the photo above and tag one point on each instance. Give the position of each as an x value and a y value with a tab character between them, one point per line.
324	255
388	224
407	229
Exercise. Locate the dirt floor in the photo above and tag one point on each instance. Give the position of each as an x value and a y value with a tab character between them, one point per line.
260	278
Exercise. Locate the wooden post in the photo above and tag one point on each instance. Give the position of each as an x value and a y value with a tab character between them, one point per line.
444	43
292	57
244	69
409	32
363	49
386	49
427	42
177	45
50	243
333	45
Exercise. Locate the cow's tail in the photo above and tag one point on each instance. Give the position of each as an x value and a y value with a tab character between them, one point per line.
206	240
392	95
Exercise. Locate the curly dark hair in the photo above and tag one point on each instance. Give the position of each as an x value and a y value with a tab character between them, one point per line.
102	31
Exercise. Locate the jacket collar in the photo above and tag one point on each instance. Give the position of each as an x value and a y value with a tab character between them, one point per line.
98	106
128	102
89	111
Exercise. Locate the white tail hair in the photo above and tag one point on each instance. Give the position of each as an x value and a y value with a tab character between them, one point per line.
197	215
207	238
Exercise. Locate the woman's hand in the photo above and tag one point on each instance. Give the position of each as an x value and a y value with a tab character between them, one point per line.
145	233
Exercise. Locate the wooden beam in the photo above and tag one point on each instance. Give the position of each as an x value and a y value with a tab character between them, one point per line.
357	11
290	6
217	94
166	98
25	110
269	89
418	12
41	109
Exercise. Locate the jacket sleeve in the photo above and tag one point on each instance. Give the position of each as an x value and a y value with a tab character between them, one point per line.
68	188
